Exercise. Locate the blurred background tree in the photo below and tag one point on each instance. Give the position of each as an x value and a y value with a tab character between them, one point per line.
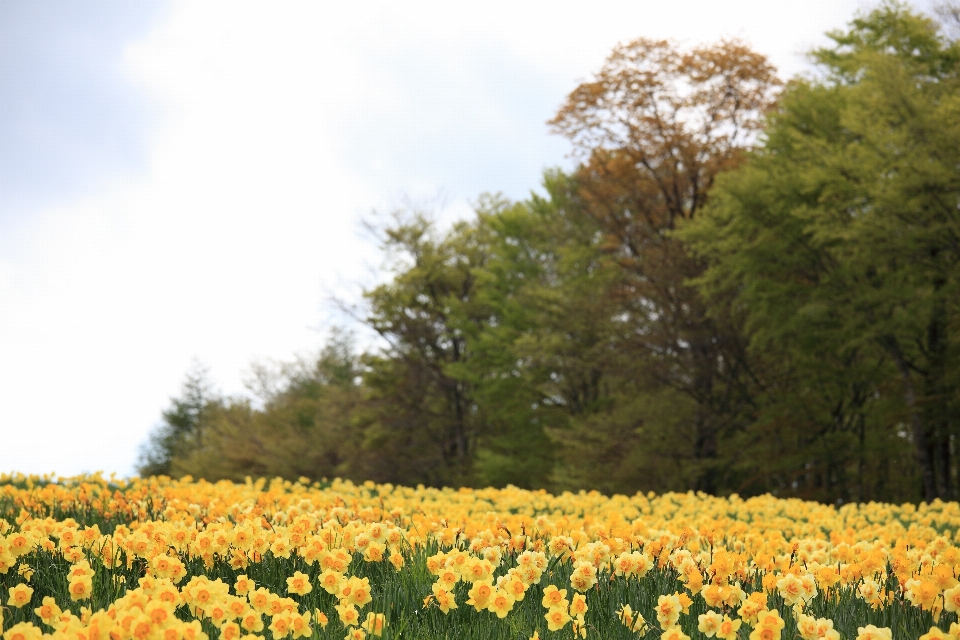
655	128
838	244
183	425
302	428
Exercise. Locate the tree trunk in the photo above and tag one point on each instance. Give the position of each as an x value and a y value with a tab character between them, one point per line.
922	446
935	390
705	445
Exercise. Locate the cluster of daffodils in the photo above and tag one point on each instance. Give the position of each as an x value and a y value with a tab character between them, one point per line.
97	559
500	595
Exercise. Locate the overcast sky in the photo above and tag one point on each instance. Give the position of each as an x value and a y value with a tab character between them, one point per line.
184	181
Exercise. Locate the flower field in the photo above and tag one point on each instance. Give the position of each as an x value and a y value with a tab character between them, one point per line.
94	559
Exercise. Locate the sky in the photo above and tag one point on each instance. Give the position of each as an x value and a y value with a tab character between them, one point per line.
184	182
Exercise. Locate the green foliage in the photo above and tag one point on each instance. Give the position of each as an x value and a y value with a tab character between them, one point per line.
838	246
423	407
183	426
303	427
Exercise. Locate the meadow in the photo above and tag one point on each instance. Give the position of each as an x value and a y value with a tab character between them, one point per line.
91	558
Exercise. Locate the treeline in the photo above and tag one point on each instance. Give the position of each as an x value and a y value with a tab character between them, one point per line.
743	287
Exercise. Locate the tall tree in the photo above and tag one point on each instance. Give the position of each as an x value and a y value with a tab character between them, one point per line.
544	362
421	407
839	243
654	129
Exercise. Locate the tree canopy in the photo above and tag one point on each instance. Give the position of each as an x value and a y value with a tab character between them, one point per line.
837	244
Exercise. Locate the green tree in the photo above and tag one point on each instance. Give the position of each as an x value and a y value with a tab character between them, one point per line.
421	410
542	357
559	395
304	426
838	244
183	425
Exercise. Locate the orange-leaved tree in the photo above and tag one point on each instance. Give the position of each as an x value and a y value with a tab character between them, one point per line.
653	129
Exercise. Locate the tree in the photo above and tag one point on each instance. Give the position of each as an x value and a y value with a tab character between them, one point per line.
421	409
838	245
305	426
561	404
183	426
654	128
542	360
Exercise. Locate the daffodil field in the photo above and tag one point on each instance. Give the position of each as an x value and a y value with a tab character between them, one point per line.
90	558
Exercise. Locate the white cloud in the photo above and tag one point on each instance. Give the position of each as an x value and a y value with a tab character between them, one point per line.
282	124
